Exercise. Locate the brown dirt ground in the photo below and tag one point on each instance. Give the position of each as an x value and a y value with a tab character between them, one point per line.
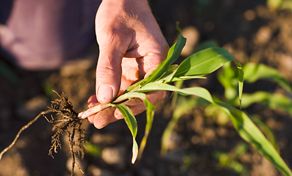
247	28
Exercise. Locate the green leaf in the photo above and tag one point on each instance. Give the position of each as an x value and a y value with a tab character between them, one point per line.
196	91
254	72
132	125
181	78
274	101
203	62
250	133
267	131
227	79
240	77
173	54
149	115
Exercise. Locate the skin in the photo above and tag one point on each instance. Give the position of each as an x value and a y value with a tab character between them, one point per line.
131	46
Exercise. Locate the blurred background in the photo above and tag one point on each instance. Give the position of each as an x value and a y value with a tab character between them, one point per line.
188	138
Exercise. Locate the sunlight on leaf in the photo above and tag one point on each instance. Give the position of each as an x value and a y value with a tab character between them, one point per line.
132	125
240	77
203	62
274	101
149	115
250	133
196	91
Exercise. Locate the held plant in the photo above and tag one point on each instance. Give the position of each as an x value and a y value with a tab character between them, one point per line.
196	66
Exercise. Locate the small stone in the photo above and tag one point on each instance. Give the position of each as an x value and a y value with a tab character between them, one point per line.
285	65
103	139
208	135
114	156
198	123
249	15
263	35
96	171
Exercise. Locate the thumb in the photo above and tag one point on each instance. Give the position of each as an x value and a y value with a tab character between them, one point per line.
108	73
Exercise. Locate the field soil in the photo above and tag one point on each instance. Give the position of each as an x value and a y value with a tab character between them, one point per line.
247	28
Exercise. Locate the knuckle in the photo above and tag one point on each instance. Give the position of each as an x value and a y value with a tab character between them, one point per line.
107	71
107	37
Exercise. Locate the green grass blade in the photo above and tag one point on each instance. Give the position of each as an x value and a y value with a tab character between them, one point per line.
240	77
203	62
196	91
254	72
181	78
149	115
273	101
149	121
173	54
132	125
226	77
267	131
250	133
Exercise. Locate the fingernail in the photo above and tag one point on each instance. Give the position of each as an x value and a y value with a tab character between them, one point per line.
105	94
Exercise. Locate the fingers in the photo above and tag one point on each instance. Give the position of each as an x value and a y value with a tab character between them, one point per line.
110	114
151	60
113	46
137	106
108	74
103	118
92	101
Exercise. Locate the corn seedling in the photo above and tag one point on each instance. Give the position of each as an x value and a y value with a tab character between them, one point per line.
229	79
196	66
253	73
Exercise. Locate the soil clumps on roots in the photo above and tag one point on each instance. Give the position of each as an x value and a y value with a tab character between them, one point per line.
65	122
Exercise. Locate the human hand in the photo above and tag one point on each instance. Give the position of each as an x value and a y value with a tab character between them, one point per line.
131	46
